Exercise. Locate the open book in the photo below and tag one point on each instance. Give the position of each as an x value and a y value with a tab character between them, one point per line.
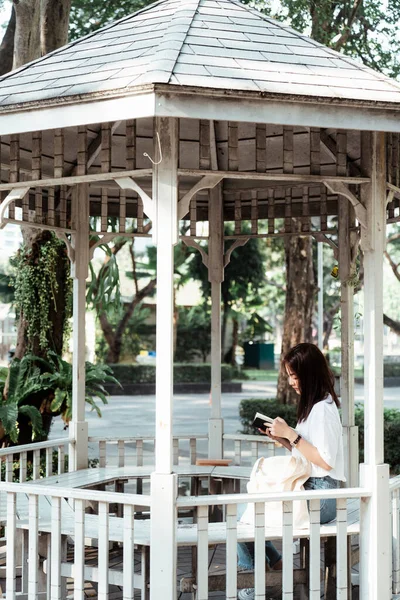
260	419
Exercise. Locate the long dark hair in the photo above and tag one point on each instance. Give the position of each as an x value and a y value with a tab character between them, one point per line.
316	380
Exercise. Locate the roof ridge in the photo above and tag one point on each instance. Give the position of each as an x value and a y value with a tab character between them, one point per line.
105	27
177	18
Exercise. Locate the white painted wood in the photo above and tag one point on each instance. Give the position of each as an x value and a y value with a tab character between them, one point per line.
9	467
121	453
103	551
175	451
238	452
139	452
202	553
396	540
49	462
11	573
78	427
341	550
289	178
36	464
259	550
320	258
231	552
192	451
61	460
314	586
163	526
79	550
23	458
165	196
33	557
55	557
128	553
102	453
287	551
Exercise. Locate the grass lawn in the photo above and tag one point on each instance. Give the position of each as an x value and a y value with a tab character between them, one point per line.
261	374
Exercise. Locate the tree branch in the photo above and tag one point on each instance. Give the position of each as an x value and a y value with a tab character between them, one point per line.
7	46
395	268
393	325
345	35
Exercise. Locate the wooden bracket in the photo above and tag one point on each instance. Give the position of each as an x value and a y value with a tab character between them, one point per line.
238	242
340	188
15	194
127	183
193	244
321	237
207	182
70	249
106	237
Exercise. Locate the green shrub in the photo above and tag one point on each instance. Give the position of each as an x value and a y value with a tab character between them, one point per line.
391	369
183	373
272	408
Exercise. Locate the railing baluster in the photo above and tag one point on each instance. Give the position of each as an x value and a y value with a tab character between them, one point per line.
55	558
315	550
36	464
79	552
175	450
259	550
61	460
231	552
341	549
103	551
33	566
202	553
9	467
238	452
254	451
128	552
121	453
23	460
287	547
193	451
49	462
139	453
102	454
11	573
396	540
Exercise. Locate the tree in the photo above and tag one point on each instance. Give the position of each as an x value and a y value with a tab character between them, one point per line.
89	15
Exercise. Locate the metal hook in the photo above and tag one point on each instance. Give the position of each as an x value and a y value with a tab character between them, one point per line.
160	152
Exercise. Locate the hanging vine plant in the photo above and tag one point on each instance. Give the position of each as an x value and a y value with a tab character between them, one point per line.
39	271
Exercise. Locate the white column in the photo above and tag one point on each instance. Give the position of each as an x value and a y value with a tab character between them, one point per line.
163	482
320	257
350	432
216	276
375	538
78	428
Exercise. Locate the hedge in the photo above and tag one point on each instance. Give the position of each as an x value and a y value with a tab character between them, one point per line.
272	408
183	373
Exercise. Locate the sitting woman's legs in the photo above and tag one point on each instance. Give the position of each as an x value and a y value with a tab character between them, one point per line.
327	507
245	550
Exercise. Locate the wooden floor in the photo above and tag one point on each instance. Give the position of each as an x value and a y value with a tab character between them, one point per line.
216	565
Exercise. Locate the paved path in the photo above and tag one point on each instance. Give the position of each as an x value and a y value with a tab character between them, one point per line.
135	415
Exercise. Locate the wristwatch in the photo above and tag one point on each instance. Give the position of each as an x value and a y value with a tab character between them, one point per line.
296	441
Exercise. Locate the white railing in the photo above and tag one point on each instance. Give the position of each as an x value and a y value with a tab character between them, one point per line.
247	448
57	514
395	498
41	456
230	502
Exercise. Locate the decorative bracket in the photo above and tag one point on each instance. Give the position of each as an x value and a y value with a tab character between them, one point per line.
206	182
106	237
127	183
238	242
70	249
338	187
321	237
193	244
16	194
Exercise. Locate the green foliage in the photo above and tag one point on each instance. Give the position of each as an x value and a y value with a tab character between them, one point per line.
35	286
193	334
270	407
183	373
88	15
29	468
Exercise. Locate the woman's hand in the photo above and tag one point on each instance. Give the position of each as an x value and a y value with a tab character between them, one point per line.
279	428
269	434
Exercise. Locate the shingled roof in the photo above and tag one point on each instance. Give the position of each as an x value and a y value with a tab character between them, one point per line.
198	43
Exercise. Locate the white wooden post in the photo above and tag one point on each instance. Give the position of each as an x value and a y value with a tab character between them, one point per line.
163	554
350	431
216	276
375	539
78	428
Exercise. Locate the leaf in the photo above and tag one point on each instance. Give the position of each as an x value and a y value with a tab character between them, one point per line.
36	419
8	417
60	397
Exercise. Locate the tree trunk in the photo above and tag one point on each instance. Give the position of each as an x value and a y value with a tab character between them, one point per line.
7	46
54	24
27	32
300	292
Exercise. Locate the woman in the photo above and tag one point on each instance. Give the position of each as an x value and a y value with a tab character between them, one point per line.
317	437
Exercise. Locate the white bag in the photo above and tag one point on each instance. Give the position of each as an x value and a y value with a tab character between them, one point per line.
279	474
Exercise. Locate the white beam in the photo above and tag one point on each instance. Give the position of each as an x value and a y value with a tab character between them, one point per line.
375	539
79	270
284	110
69	113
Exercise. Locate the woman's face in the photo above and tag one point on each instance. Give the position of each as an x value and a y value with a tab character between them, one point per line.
293	379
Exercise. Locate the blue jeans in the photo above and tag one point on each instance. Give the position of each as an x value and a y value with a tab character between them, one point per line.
245	550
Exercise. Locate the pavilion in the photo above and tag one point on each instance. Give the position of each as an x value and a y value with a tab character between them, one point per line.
209	111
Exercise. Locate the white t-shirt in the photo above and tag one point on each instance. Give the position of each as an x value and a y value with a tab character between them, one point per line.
323	430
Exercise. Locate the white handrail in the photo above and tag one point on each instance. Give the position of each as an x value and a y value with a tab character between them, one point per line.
36	446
